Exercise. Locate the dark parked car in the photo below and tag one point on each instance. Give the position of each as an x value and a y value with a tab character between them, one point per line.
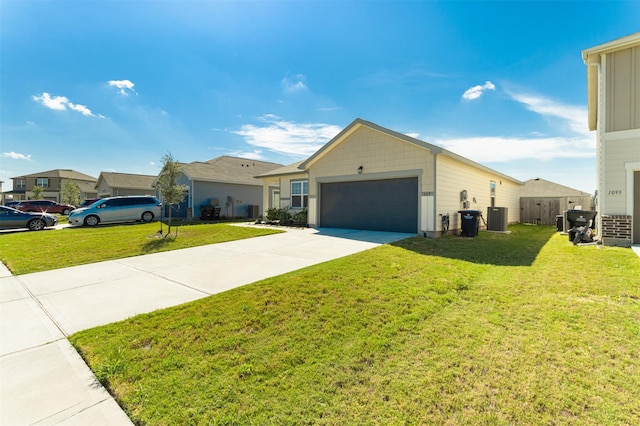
12	218
44	206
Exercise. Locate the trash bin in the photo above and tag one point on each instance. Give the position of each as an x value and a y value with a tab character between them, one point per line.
470	222
560	222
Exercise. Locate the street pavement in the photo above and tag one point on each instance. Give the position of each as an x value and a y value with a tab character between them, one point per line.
43	380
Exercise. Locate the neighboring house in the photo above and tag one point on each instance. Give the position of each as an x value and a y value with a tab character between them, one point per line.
613	95
52	182
111	184
370	177
541	201
228	182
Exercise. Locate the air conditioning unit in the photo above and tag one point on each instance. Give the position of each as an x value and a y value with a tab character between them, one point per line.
497	219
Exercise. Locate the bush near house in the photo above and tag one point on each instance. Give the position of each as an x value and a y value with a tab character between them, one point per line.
280	214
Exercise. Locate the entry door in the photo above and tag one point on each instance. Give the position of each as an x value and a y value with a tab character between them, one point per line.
275	198
636	207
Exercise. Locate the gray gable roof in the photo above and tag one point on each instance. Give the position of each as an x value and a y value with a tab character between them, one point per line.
434	149
227	169
59	173
541	188
291	169
128	180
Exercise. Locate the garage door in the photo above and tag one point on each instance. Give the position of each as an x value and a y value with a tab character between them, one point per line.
377	205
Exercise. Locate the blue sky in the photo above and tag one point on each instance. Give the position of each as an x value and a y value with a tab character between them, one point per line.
115	85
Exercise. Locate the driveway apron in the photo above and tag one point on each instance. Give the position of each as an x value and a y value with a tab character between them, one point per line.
43	381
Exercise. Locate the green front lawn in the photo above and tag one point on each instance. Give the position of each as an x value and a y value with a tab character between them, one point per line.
26	252
500	329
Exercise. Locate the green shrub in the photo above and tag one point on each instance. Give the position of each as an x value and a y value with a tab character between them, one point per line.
300	216
282	215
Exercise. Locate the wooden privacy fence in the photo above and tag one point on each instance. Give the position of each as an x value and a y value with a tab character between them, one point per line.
543	211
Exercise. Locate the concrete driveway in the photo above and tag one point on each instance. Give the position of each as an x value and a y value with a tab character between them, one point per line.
43	381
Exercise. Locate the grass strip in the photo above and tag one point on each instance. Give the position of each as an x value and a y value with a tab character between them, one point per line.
26	252
522	328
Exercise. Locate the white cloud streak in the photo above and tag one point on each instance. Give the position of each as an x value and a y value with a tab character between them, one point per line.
570	120
61	103
573	117
256	154
503	149
17	156
294	84
123	86
476	91
287	137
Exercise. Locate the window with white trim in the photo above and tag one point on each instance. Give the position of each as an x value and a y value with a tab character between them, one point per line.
42	182
299	194
21	183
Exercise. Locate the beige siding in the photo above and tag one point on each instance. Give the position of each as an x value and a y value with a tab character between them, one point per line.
618	152
377	153
381	156
453	177
623	90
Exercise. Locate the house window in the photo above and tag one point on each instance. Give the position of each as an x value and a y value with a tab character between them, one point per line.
21	183
299	194
42	182
493	193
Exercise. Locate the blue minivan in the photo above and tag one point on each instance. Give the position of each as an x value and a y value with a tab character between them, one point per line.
117	209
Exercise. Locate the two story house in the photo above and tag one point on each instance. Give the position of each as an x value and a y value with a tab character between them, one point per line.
613	96
52	182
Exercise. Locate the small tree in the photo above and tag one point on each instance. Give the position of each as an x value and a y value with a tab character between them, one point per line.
36	193
171	192
70	193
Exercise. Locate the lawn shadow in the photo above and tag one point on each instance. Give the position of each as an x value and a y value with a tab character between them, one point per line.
157	242
520	247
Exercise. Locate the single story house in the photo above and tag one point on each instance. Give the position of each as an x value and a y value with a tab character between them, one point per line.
111	184
370	177
613	99
542	201
52	182
226	182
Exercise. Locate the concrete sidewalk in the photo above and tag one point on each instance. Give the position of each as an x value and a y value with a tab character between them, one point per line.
43	381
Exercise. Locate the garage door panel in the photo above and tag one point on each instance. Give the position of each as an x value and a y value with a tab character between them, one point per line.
379	205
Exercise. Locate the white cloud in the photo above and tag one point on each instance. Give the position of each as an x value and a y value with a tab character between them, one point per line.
574	117
256	154
123	86
476	91
17	156
287	137
293	84
573	139
61	103
505	149
58	103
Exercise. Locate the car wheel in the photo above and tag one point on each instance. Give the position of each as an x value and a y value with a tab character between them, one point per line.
36	224
147	217
65	212
92	220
